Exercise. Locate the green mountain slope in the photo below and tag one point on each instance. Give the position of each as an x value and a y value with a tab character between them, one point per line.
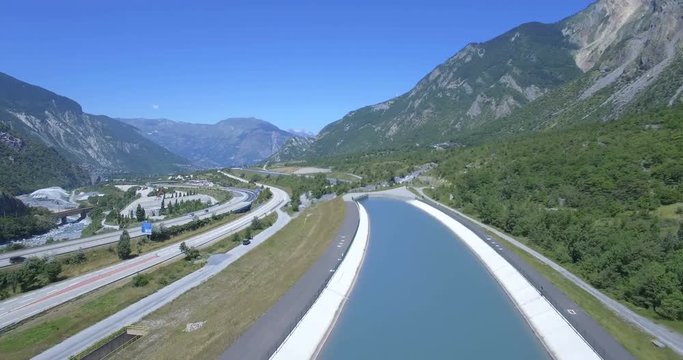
611	59
602	199
27	165
481	83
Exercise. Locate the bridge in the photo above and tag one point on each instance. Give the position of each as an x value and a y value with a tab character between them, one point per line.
63	214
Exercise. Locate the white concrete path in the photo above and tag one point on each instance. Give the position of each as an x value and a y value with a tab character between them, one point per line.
557	335
310	333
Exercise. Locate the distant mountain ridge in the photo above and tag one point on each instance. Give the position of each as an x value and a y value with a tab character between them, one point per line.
99	144
613	57
230	142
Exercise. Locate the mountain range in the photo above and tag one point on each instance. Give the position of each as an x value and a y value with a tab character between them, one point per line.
230	142
47	140
614	57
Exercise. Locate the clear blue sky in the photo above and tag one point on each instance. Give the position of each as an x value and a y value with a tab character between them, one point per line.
298	64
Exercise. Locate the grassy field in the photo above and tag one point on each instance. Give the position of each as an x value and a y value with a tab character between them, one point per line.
98	258
635	341
38	334
671	217
220	195
231	301
342	176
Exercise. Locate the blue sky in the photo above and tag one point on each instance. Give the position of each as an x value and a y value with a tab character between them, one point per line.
298	64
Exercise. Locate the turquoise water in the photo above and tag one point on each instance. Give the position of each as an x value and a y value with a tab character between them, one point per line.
421	294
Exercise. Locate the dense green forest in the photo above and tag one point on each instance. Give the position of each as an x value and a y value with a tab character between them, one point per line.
28	165
20	221
603	199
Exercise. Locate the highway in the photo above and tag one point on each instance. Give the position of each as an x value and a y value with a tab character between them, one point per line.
27	305
241	197
669	337
135	312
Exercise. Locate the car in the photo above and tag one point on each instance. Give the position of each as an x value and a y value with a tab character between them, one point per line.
16	259
246	241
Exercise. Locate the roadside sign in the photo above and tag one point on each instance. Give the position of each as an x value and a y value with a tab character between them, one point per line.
146	228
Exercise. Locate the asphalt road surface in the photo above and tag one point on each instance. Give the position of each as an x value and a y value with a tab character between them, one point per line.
135	312
34	302
241	197
264	336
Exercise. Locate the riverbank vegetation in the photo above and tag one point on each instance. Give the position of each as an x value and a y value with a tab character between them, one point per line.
601	199
19	221
638	343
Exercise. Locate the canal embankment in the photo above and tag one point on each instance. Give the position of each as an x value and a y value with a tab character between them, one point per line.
309	334
558	336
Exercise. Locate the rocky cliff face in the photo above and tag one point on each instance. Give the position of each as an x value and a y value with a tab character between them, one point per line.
614	56
480	83
229	142
627	44
295	148
98	143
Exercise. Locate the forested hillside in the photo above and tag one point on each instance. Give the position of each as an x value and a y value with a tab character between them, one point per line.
606	200
18	220
27	165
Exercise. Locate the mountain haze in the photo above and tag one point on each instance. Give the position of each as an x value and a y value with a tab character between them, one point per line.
229	142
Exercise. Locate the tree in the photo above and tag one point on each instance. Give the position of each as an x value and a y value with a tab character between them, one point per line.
163	206
28	275
13	281
52	270
190	252
680	232
123	247
255	223
140	213
672	306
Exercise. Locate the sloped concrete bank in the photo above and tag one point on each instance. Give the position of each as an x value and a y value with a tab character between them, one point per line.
310	333
558	336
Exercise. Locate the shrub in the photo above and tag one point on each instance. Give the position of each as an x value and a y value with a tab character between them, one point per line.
140	280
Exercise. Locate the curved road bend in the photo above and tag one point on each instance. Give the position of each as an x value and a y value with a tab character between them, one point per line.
265	335
135	312
241	197
668	337
32	303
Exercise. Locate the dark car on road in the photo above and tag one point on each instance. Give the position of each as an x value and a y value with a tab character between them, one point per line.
246	241
16	259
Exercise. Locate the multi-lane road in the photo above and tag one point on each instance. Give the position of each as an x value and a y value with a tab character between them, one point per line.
241	198
27	305
137	311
